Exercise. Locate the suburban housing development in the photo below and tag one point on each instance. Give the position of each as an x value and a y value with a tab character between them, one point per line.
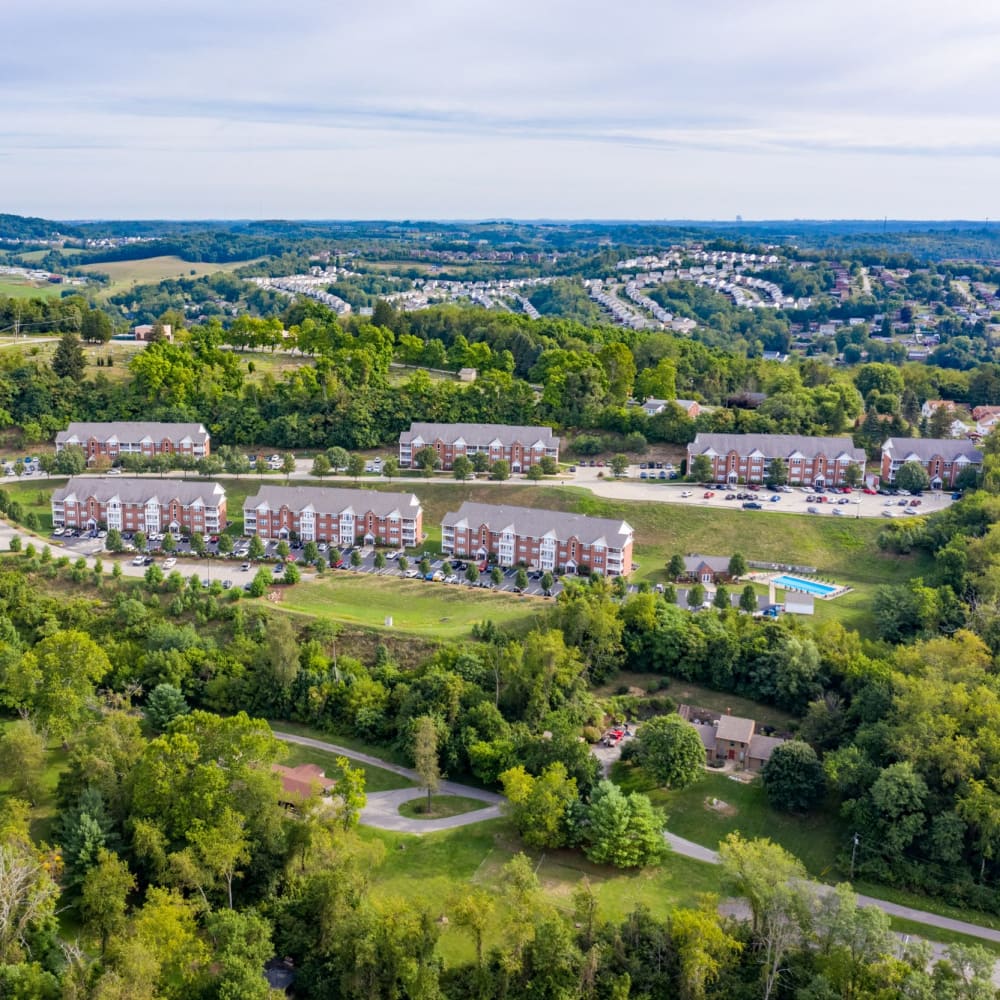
521	447
542	539
810	461
942	459
118	438
148	505
341	516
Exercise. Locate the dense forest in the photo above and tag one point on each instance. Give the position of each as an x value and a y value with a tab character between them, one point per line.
186	875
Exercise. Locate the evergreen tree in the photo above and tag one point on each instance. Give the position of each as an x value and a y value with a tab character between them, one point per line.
68	361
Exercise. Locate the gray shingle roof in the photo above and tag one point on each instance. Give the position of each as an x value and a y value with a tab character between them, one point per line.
927	448
777	445
535	523
141	490
333	500
132	431
479	434
735	729
717	564
761	747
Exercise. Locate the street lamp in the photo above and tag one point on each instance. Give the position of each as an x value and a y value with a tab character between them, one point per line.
854	851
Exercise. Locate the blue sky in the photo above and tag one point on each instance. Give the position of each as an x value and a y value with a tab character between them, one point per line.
467	109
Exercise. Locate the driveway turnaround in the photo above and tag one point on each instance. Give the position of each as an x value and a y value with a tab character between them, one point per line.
382	810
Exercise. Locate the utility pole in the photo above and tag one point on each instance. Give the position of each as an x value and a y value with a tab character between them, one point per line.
854	851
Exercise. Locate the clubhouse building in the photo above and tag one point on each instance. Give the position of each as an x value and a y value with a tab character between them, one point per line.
153	506
943	460
540	539
745	458
113	440
520	447
340	516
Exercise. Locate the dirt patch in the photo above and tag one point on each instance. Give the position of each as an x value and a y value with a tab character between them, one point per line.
718	806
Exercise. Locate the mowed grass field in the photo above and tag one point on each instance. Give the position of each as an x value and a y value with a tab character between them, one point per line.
16	288
415	607
150	270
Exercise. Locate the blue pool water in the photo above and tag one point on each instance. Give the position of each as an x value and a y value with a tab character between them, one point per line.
807	586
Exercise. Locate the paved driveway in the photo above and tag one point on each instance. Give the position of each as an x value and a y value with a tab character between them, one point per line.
382	810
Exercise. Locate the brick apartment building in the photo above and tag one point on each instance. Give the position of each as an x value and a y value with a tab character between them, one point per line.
944	460
135	438
154	506
542	539
340	516
521	447
745	458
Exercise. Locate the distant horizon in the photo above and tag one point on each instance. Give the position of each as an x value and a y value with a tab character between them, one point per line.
525	220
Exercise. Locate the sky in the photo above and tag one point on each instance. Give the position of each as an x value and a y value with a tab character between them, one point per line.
461	109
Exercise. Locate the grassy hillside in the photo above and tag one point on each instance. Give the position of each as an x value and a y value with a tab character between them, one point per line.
843	550
153	269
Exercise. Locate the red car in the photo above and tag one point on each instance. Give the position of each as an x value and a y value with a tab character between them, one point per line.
871	492
709	494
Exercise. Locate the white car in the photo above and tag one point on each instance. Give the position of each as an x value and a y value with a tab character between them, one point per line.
57	531
139	561
685	493
169	563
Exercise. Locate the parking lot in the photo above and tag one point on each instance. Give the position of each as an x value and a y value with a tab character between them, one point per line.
238	570
795	501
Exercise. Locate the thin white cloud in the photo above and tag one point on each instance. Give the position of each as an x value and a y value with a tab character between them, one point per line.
644	109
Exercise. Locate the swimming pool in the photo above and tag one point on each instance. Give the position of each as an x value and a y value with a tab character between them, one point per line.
806	586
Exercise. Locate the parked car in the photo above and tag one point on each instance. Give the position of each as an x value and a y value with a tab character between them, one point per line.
752	505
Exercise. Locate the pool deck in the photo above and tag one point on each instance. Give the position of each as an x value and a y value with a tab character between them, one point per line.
770	578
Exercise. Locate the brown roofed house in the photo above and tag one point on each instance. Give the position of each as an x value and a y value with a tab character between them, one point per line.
301	782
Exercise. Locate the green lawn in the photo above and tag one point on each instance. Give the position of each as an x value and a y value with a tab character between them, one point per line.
432	610
442	806
377	779
16	289
437	867
815	839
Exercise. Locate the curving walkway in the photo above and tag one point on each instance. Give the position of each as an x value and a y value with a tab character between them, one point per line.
382	810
